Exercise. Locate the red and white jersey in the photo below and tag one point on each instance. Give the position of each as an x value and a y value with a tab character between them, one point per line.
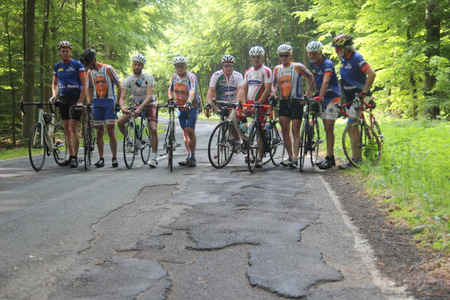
102	82
256	80
290	79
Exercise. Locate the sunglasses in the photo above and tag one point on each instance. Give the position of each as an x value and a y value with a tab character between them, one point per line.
284	55
256	56
228	66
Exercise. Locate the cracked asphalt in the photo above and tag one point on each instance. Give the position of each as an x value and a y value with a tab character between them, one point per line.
195	233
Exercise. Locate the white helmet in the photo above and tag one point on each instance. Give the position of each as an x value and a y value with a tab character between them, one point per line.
314	46
180	60
256	51
139	58
283	48
227	57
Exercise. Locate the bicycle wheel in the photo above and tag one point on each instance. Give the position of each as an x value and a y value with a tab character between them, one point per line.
276	146
314	131
88	145
146	143
170	144
253	149
221	145
37	147
368	148
303	144
129	145
60	147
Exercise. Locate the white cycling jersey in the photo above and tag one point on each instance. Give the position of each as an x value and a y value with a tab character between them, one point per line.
256	80
226	87
137	85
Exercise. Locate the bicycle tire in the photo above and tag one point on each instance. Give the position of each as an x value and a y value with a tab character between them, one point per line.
129	145
276	146
317	143
302	145
60	147
170	145
221	144
369	145
253	148
88	144
146	143
37	147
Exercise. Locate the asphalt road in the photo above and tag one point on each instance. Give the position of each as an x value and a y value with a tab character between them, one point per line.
194	233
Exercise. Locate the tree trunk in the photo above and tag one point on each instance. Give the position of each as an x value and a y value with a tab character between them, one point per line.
11	81
43	55
28	65
433	36
83	17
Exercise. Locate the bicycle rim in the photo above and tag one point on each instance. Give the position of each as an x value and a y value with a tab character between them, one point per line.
170	145
37	147
87	146
368	148
221	145
276	146
129	145
60	145
146	143
253	149
302	146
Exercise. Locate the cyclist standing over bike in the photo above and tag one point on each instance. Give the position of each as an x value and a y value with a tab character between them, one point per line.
288	75
183	85
69	76
102	78
357	77
141	86
327	89
256	87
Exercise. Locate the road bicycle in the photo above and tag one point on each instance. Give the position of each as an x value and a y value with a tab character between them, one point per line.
310	140
224	140
89	136
170	143
366	146
47	136
263	141
137	138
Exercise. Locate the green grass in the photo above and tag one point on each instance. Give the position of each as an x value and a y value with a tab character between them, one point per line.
413	177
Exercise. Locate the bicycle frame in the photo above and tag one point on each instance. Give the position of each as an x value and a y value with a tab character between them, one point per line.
169	140
308	142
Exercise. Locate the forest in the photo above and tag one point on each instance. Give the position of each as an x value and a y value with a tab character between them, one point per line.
406	42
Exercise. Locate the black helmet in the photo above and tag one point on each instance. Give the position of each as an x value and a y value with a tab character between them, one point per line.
87	56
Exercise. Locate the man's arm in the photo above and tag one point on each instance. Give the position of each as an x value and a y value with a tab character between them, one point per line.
324	87
146	101
210	95
54	86
370	79
266	93
310	85
84	87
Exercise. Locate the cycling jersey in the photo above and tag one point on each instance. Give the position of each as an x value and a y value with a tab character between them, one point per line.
68	74
326	67
353	78
137	85
102	82
290	79
226	87
182	85
256	80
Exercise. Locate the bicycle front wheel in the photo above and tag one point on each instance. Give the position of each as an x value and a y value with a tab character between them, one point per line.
302	145
363	147
254	140
276	146
37	147
316	141
170	144
129	145
60	146
88	145
221	145
146	143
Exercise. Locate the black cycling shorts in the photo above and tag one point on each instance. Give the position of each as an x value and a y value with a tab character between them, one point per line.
64	108
291	109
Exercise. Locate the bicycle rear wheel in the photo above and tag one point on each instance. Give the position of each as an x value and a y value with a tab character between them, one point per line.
170	144
302	145
37	147
368	149
146	143
60	146
276	146
129	145
88	145
253	149
221	145
315	142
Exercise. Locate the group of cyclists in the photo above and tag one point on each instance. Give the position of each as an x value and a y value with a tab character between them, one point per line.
258	84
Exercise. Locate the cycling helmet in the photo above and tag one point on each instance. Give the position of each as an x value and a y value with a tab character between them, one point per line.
87	56
342	40
256	50
180	60
283	48
64	44
139	58
314	46
227	58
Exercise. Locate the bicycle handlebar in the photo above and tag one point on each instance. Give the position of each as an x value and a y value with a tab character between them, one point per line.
40	104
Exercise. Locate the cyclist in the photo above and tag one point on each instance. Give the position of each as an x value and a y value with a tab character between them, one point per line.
327	89
288	75
102	79
256	87
69	76
141	86
183	85
357	77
